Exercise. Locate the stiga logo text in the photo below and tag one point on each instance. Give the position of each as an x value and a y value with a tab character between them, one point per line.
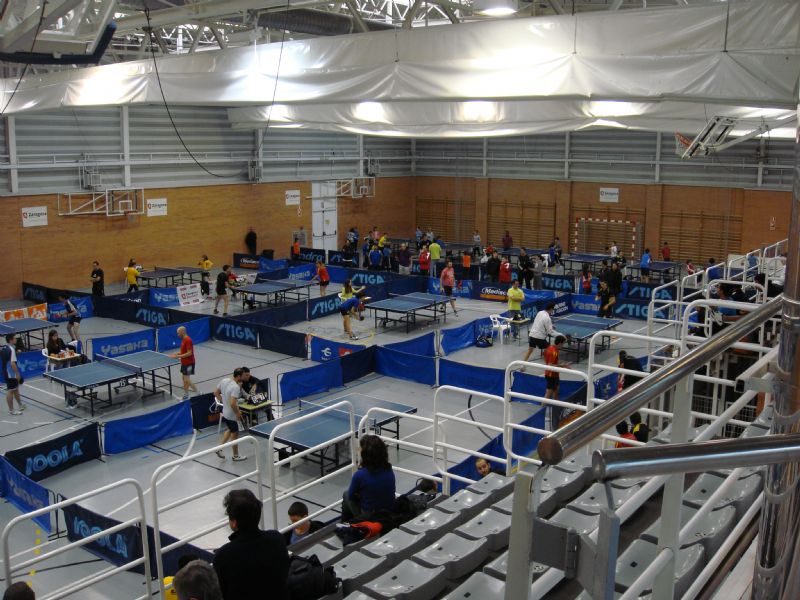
151	317
325	307
367	279
53	459
558	283
236	332
114	542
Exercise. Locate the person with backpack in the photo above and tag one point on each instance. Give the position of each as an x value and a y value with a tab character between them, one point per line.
372	487
297	512
253	560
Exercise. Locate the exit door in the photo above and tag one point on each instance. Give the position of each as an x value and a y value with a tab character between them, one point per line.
324	222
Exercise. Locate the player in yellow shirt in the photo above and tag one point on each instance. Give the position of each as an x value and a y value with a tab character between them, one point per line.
515	298
436	254
131	275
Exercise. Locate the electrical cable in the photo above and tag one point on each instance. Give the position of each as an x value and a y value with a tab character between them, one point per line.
25	68
471	416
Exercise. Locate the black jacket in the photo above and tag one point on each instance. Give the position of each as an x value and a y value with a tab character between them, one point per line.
614	280
631	364
493	266
254	565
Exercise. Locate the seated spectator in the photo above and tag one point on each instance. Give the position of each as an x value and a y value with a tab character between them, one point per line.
252	386
169	582
484	467
631	364
252	558
639	430
773	289
622	431
372	487
297	512
197	581
19	591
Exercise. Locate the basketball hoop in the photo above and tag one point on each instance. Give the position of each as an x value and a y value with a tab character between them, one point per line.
682	144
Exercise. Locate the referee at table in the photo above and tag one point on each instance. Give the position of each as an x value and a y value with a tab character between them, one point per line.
541	329
252	386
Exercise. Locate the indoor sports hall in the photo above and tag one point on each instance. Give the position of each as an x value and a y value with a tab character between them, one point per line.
471	299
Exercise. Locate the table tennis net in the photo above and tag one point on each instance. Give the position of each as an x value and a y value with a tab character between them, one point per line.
117	362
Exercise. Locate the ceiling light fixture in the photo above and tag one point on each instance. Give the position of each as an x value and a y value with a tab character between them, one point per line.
494	8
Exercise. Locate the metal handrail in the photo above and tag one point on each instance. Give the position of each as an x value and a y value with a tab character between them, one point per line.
569	438
695	457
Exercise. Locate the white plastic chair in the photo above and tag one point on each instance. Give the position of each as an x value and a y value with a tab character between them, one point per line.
500	324
218	406
51	366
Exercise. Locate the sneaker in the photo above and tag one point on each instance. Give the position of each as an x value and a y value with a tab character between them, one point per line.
224	314
360	317
216	312
239	458
353	337
15	413
22	407
185	397
220	454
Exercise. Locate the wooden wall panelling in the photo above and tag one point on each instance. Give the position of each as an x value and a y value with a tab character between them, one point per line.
766	217
527	209
448	206
391	210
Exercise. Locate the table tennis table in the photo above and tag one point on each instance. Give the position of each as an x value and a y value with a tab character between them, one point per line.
659	269
114	373
27	328
581	328
330	425
580	259
275	291
404	309
171	276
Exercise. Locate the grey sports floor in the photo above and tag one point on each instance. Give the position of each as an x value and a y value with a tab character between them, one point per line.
47	417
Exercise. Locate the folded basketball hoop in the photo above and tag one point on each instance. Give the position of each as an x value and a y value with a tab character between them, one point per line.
682	144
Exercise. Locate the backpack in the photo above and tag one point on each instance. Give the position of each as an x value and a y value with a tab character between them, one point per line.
309	580
484	341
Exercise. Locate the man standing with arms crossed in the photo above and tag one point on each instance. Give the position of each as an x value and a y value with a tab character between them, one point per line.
8	359
227	393
98	280
186	356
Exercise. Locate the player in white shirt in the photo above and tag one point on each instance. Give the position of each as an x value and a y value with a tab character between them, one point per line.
228	393
541	329
614	250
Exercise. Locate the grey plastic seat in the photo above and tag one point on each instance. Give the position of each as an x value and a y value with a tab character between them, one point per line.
711	531
626	482
456	554
640	554
324	553
465	502
574	519
499	568
433	523
580	460
664	436
496	485
408	581
765	418
396	546
746	472
358	596
741	495
588	596
547	503
357	568
490	524
565	483
754	430
593	500
477	587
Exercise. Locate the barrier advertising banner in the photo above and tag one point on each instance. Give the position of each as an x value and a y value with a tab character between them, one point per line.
117	548
57	311
39	311
23	492
126	343
53	456
190	294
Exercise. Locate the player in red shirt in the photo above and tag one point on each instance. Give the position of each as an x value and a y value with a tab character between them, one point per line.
666	252
323	277
186	356
447	281
505	271
424	261
551	377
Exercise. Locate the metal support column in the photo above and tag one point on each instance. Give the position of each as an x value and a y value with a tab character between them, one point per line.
777	570
361	158
566	154
658	157
11	145
124	118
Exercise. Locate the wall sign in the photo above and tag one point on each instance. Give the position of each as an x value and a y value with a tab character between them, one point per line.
292	197
34	216
157	207
609	194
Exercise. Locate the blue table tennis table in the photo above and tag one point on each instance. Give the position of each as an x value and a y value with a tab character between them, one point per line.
275	291
330	425
664	270
581	328
132	370
171	277
580	259
27	328
404	309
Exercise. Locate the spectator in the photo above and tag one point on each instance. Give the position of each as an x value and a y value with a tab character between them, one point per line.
665	252
773	289
639	430
476	243
253	558
387	257
614	279
505	271
613	250
621	260
404	260
538	269
607	301
515	298
349	255
493	267
365	248
466	264
586	280
297	512
183	560
644	265
383	240
622	431
19	591
436	253
296	249
713	270
375	258
631	364
507	241
447	281
251	240
98	280
429	233
690	268
195	580
418	236
372	487
557	251
525	266
253	386
484	467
